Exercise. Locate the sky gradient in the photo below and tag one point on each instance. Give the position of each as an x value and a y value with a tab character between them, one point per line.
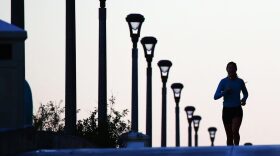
199	36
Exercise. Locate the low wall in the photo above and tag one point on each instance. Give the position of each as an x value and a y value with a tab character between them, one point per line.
273	150
28	139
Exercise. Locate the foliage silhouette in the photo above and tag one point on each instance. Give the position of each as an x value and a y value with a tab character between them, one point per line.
48	118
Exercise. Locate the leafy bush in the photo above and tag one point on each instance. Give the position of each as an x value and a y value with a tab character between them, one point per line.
48	118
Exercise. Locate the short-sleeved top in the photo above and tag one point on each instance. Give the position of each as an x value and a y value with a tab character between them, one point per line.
231	99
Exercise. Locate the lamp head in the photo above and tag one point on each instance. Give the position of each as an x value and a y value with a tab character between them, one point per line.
135	22
212	132
102	3
196	121
164	66
177	88
189	110
149	44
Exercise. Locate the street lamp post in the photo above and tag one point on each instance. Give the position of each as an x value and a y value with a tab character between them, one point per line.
17	13
164	66
212	132
196	121
102	75
177	88
17	18
70	71
149	44
134	22
189	110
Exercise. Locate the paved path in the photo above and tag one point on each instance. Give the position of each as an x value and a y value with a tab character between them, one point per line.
266	150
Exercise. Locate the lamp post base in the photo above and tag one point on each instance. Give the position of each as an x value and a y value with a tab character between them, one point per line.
133	139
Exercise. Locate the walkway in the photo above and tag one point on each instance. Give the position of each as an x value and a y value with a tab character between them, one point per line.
264	150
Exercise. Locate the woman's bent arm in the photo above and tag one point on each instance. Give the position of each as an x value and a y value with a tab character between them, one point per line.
219	91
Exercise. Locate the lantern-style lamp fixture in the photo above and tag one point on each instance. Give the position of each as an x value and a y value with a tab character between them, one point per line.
102	3
189	110
149	44
177	88
164	66
212	132
135	22
196	120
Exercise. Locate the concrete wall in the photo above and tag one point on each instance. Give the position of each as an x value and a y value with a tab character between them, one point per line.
27	139
273	150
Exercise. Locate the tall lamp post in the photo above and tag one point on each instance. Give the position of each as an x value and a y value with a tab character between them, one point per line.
149	44
196	121
212	132
164	66
17	18
70	86
17	13
177	88
102	75
190	110
134	22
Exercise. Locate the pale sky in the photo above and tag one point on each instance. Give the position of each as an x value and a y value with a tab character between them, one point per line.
199	36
